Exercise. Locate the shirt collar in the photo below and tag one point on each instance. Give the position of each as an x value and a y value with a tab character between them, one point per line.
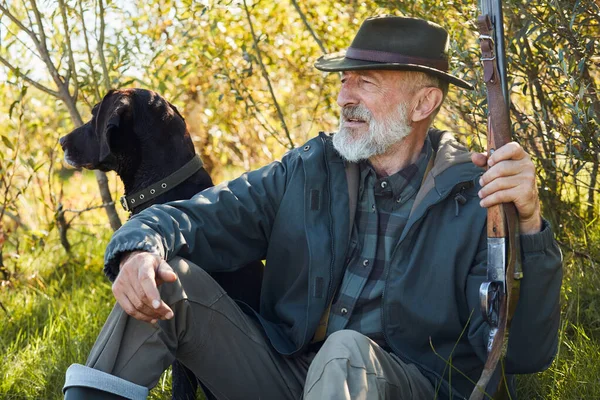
408	179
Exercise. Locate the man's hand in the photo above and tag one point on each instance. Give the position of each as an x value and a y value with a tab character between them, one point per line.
511	178
136	286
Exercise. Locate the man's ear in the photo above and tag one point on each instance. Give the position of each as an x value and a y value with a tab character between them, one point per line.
118	111
429	100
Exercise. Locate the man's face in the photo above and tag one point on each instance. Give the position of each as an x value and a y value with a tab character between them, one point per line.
374	113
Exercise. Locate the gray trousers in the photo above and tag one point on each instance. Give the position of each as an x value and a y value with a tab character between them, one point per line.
229	352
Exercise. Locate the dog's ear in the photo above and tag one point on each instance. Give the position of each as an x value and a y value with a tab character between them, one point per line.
116	114
176	110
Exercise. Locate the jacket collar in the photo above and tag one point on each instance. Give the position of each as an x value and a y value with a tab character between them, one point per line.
442	173
448	155
450	164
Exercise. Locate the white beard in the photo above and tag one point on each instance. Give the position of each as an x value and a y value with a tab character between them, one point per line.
354	146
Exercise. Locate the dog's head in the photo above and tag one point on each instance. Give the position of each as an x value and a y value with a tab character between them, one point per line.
126	126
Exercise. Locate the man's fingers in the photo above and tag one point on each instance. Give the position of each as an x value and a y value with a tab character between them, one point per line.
496	185
510	185
140	301
503	170
511	189
130	309
136	286
146	278
510	178
164	273
148	290
129	299
502	196
510	151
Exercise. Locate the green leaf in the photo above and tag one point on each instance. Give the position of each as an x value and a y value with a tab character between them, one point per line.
12	107
8	143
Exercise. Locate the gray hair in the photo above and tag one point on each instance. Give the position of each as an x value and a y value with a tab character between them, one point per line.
417	80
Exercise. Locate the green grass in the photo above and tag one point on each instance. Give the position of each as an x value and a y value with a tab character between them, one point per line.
55	316
575	373
58	304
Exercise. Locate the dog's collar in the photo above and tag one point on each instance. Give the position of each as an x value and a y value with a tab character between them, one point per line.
162	186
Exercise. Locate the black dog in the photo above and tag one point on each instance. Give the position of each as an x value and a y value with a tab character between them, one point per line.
142	137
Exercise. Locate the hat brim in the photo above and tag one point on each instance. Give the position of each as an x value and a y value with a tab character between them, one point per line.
338	62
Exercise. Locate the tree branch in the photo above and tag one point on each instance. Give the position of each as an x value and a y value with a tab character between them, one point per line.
45	54
72	70
28	79
307	25
266	76
17	38
38	18
88	52
79	212
263	121
578	252
316	107
106	79
19	24
15	218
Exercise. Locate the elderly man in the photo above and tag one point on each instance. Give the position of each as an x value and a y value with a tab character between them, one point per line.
375	247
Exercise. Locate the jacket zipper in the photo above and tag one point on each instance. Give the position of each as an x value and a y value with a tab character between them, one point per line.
331	233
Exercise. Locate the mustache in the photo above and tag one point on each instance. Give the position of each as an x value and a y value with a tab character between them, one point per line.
359	112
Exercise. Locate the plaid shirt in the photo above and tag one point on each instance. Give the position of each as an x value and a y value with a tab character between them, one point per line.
382	211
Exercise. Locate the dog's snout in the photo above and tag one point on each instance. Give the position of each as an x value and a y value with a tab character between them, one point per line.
62	141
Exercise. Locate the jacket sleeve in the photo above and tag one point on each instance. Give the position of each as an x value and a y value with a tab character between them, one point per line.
533	335
222	228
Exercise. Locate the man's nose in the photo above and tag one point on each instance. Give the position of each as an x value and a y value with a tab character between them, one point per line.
347	96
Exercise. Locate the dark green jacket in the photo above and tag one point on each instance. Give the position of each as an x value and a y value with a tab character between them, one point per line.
295	213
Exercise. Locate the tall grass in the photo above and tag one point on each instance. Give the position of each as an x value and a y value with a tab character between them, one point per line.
56	303
56	312
575	373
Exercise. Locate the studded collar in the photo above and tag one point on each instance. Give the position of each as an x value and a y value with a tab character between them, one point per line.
161	186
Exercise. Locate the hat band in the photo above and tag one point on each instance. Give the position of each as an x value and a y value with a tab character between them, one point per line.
387	57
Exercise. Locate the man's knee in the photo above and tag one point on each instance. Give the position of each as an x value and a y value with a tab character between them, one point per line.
193	284
347	339
344	344
340	359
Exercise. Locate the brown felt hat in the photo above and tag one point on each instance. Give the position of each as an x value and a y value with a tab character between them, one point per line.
395	43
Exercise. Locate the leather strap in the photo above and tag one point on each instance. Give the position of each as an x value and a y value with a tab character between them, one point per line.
162	186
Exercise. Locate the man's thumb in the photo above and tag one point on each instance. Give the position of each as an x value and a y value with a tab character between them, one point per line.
479	159
165	273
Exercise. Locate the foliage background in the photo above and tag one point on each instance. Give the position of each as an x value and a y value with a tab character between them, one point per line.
241	72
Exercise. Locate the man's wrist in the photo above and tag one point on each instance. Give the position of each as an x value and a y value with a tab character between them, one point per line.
126	255
531	226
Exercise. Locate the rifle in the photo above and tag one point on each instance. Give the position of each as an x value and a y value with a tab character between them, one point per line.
500	293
